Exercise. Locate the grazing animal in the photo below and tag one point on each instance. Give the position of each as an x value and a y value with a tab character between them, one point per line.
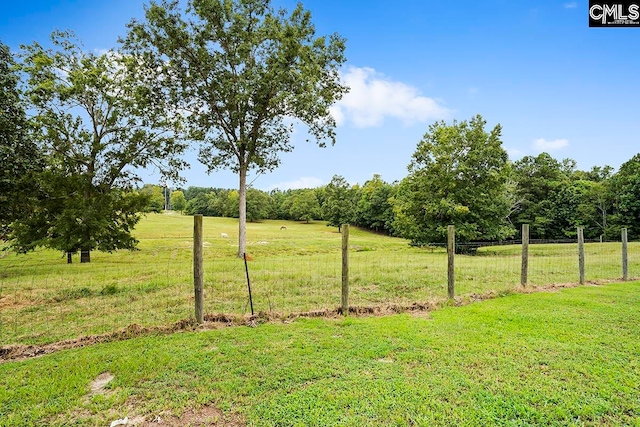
283	228
225	235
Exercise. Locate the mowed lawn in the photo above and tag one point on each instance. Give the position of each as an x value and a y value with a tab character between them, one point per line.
297	269
570	357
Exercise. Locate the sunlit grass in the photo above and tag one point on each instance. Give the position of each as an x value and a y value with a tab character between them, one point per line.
545	359
43	299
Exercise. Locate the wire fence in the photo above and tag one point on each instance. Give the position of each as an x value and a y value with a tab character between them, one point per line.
44	300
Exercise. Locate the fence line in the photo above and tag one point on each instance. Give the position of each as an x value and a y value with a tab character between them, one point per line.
43	300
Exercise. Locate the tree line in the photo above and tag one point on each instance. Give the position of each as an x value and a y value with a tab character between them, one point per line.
551	195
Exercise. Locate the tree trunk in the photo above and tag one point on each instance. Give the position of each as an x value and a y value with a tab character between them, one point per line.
69	259
85	254
242	217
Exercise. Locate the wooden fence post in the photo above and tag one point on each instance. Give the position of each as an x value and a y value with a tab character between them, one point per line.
345	269
581	253
197	267
625	260
524	271
451	250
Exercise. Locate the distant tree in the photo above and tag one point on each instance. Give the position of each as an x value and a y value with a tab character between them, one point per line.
242	71
20	157
538	180
340	201
555	198
572	208
99	119
458	176
258	205
201	204
231	204
178	201
280	204
285	207
304	205
155	197
625	188
192	192
218	202
603	201
375	207
596	174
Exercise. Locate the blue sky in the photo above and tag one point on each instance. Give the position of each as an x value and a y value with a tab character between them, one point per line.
535	67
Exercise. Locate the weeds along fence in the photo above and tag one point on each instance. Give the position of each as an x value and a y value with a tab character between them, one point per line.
44	300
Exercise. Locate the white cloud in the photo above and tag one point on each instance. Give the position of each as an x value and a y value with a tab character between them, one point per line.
303	182
372	97
571	5
542	144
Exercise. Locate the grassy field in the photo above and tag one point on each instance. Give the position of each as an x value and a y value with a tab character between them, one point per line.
567	358
43	300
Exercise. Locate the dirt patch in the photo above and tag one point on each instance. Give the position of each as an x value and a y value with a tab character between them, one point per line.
97	386
200	417
17	301
19	351
216	321
529	289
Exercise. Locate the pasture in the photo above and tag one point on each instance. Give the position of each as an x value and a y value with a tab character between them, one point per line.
297	269
565	358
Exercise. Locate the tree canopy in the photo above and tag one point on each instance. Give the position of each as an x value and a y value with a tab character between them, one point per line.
458	176
99	119
304	206
339	202
239	71
375	206
20	157
625	187
178	201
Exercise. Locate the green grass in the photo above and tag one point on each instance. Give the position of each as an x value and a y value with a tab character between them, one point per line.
544	359
42	299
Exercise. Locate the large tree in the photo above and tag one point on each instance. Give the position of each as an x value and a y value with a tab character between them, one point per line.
625	187
178	201
375	207
68	218
20	157
259	205
155	197
538	180
458	176
240	72
304	205
339	202
100	119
